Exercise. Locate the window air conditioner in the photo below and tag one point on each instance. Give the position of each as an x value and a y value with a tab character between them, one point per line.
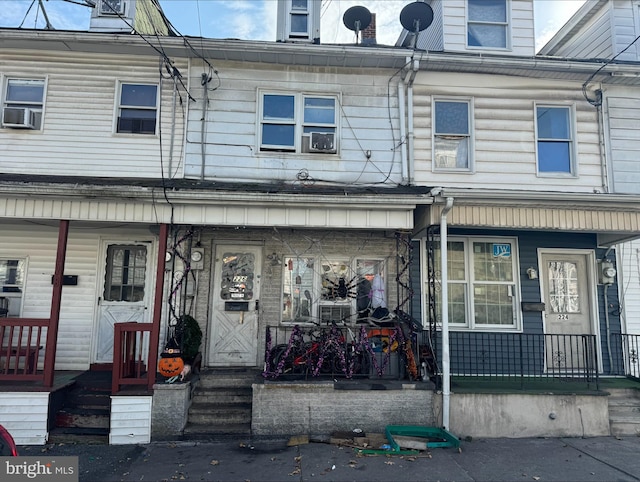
322	142
112	7
335	312
19	117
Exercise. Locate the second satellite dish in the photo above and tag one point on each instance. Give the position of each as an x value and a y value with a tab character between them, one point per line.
416	16
357	18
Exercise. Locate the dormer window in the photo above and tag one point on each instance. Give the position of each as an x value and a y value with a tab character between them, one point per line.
111	7
487	23
299	21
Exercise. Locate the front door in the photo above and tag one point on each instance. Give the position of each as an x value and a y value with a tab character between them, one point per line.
124	295
567	283
234	318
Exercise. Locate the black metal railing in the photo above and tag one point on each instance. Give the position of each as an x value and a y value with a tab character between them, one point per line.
625	359
521	358
330	351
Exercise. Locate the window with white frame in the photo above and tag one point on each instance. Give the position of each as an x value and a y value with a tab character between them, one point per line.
298	123
299	18
482	283
12	277
23	103
331	289
452	135
487	23
137	108
555	144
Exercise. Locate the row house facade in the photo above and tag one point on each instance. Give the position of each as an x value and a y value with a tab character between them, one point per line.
259	186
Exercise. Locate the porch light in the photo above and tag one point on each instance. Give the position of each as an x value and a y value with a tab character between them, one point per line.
532	273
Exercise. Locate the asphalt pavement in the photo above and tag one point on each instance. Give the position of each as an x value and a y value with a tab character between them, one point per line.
526	459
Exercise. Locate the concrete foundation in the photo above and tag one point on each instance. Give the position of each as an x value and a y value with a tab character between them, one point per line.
526	415
321	408
170	409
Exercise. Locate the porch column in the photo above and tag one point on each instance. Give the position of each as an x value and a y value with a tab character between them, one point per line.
157	305
56	299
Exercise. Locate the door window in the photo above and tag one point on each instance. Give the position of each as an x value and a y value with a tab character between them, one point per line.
564	296
126	270
237	276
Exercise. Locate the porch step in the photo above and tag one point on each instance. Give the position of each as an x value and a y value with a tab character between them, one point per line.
624	412
222	403
85	411
88	436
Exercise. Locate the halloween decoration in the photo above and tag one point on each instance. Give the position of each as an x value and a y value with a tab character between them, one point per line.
171	363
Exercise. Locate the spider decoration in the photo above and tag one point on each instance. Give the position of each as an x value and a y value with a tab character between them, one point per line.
358	288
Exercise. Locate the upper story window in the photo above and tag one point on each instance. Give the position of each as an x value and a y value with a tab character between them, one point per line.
298	123
23	104
112	7
137	108
487	23
555	144
452	135
299	18
482	283
332	289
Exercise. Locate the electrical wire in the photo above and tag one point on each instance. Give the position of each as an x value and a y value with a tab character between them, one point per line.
598	101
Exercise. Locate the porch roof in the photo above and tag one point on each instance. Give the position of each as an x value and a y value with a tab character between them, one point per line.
614	218
187	201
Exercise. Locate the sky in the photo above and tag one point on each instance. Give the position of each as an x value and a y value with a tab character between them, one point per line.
256	19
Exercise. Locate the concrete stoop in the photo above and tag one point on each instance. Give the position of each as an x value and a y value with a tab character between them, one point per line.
624	411
222	403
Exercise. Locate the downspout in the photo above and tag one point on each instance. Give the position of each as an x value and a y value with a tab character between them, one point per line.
446	375
203	122
410	134
403	131
602	142
173	128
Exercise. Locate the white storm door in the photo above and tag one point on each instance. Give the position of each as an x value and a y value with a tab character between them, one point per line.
567	284
124	295
234	314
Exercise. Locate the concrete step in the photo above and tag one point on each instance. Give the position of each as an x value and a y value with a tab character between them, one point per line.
237	395
624	427
207	413
228	380
202	432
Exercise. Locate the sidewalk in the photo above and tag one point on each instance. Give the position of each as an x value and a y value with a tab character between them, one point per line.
552	459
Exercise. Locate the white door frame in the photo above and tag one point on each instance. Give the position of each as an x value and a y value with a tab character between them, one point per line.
592	287
100	280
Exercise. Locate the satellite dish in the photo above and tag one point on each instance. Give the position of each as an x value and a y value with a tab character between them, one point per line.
416	16
357	18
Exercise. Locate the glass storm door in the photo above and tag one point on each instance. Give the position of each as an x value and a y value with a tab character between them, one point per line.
124	295
234	318
568	309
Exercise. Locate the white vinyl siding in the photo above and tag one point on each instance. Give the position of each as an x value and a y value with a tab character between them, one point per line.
504	132
624	140
230	131
130	420
79	138
25	416
628	259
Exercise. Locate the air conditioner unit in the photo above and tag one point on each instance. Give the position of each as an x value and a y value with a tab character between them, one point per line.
334	312
112	7
322	142
19	117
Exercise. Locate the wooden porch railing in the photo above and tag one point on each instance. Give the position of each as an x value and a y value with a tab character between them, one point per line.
130	355
23	341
